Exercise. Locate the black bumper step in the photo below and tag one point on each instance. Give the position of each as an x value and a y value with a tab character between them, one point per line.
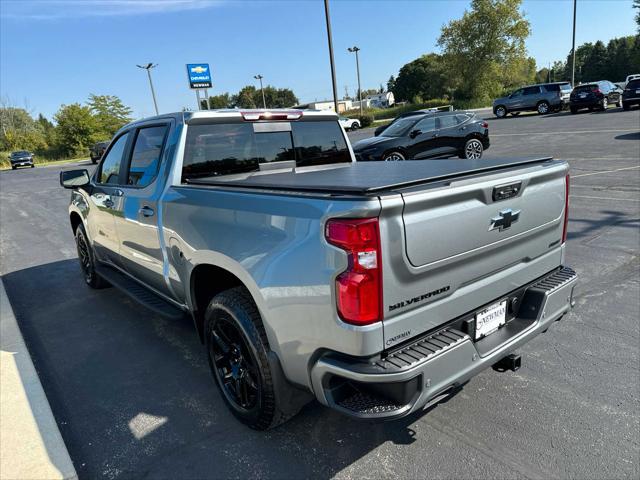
140	293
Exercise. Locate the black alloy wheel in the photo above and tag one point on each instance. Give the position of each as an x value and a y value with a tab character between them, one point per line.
234	365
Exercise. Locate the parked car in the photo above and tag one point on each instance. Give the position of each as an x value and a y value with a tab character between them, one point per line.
631	94
96	151
416	137
382	128
542	98
595	95
21	158
349	123
377	288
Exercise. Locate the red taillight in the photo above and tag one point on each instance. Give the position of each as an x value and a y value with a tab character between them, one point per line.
484	125
359	287
566	208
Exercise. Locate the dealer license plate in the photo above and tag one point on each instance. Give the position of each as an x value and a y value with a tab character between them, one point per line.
490	319
583	95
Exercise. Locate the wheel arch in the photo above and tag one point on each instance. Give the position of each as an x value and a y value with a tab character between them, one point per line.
76	220
206	280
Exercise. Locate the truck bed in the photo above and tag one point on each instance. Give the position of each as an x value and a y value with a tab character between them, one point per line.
367	178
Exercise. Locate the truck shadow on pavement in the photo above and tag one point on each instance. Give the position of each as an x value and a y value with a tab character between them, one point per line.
133	395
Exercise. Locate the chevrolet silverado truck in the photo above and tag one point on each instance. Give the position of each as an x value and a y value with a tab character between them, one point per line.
378	288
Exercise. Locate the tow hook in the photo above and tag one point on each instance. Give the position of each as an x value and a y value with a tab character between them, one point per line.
510	362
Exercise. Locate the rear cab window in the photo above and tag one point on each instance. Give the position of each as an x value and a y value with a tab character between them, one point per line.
219	149
633	84
585	88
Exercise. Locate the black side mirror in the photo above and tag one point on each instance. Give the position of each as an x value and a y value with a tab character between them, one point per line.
415	133
74	178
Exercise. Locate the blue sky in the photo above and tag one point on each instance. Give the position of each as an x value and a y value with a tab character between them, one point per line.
56	52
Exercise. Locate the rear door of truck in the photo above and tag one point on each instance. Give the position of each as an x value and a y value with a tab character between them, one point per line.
454	246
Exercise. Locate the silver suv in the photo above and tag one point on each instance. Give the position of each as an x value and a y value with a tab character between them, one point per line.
543	98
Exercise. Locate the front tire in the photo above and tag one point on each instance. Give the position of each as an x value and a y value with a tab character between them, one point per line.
87	260
355	126
543	108
472	149
625	106
501	111
394	156
237	349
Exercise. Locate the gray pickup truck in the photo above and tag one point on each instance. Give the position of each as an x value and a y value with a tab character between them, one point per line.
378	288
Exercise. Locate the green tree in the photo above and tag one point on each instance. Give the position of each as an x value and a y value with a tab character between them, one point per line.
543	75
109	112
245	98
423	78
485	47
275	97
391	84
636	4
77	128
220	101
19	131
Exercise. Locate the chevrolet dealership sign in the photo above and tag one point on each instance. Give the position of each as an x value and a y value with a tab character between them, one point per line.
199	75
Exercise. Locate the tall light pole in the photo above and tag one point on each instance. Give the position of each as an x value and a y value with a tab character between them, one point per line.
148	68
264	102
573	47
355	50
333	66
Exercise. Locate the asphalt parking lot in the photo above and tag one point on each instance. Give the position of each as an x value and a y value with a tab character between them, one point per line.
133	396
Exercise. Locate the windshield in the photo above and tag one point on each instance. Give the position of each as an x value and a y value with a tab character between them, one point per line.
399	127
226	149
21	153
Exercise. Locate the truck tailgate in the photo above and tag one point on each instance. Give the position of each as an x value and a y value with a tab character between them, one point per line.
464	243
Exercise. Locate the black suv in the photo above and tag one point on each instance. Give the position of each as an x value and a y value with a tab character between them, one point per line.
595	95
631	94
97	150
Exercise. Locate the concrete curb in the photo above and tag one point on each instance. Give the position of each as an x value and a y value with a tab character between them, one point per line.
31	446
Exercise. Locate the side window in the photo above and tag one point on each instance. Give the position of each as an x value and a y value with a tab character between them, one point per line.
426	124
145	158
110	167
517	93
448	121
531	90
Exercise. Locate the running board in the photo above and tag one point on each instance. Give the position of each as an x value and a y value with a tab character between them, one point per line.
140	293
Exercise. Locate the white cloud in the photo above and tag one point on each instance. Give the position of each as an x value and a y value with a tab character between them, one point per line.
59	9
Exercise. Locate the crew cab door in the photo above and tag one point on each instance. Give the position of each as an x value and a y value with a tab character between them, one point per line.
105	199
137	221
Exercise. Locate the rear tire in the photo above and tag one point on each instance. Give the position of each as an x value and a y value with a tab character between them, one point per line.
13	168
473	149
87	260
237	349
32	165
355	126
574	110
501	111
625	106
543	108
604	104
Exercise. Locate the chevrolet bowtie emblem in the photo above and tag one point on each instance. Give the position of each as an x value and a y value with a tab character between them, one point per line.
504	219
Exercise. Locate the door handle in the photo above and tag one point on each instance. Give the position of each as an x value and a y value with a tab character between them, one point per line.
146	211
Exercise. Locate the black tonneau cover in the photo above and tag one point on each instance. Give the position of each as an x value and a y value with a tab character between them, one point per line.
367	177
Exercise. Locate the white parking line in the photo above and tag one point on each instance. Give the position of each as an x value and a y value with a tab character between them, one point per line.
560	133
606	198
600	172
